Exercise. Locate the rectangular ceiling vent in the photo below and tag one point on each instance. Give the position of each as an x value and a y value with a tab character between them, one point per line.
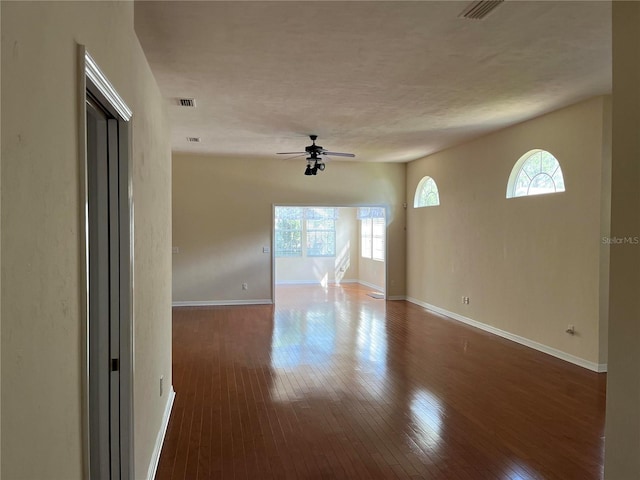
193	139
480	9
187	102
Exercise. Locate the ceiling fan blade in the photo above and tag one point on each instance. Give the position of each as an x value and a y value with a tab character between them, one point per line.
338	154
291	153
295	156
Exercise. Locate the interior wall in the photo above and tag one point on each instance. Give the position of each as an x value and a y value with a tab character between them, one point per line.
222	219
530	265
622	453
605	230
316	270
41	285
0	258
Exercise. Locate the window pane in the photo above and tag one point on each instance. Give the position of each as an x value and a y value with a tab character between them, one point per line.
329	213
426	194
558	180
288	243
321	244
365	238
522	185
289	213
549	163
321	232
288	232
541	183
533	165
538	172
432	199
321	224
286	224
378	239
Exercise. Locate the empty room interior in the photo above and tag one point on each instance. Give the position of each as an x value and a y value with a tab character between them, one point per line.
320	240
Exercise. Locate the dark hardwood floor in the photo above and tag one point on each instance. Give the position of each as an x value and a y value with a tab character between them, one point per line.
333	384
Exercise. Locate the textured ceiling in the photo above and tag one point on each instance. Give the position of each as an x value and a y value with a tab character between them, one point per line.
388	81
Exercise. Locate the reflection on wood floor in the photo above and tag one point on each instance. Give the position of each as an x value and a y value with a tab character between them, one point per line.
332	384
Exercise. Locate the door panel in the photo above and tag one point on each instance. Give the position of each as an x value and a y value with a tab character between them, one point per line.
104	288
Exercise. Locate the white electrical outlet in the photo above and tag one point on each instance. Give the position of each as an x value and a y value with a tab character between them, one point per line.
161	384
571	330
245	286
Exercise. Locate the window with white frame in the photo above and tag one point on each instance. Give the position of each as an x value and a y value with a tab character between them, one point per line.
372	232
321	231
426	193
288	232
366	237
537	172
377	239
305	231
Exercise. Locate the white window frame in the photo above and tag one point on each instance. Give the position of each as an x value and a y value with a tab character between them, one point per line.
519	169
306	216
373	230
293	254
428	185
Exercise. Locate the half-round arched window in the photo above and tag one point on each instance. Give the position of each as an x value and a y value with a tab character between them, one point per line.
426	193
536	173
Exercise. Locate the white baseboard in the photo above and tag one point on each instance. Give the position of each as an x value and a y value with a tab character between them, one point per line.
596	367
371	285
213	303
396	297
313	282
155	456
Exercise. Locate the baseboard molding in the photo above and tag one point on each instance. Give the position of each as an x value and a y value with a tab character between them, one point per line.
155	456
371	285
595	367
214	303
313	282
396	297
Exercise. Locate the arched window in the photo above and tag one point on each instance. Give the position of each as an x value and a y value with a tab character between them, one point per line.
536	173
426	193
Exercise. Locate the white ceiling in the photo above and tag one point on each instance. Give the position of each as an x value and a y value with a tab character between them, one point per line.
388	80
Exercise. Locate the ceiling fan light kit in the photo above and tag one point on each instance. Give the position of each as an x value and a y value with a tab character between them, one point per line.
314	160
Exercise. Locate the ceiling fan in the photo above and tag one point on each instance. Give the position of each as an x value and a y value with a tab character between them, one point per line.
315	152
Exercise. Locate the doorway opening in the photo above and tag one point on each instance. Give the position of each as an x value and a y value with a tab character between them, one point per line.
330	245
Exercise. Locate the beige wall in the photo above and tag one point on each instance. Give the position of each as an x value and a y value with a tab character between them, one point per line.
622	454
222	214
0	263
530	265
41	264
342	267
371	272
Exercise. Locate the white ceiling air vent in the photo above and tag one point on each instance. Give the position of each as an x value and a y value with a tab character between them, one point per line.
187	102
480	9
193	139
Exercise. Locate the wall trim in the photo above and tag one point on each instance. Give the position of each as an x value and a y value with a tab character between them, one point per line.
213	303
103	84
371	285
313	282
581	362
396	297
155	455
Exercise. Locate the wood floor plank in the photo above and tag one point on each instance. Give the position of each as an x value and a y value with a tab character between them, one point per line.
331	383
